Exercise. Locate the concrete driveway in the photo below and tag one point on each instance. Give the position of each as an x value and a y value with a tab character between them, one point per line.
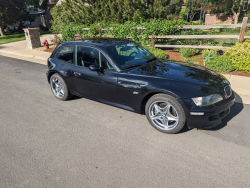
45	142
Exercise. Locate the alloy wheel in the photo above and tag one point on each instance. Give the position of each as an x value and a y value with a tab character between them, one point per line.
163	115
57	88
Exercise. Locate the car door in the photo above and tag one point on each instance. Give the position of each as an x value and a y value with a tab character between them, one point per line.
98	84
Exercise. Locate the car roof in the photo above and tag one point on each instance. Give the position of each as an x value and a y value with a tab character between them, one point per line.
100	42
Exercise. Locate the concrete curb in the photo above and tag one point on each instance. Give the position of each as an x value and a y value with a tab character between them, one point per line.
23	55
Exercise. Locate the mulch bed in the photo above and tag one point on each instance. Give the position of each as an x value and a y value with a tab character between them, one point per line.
174	54
50	50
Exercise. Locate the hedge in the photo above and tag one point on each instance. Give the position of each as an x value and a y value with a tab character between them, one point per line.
156	27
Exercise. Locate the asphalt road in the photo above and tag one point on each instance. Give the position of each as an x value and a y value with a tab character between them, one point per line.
45	142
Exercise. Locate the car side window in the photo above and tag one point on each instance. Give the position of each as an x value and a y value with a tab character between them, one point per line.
66	54
87	56
105	63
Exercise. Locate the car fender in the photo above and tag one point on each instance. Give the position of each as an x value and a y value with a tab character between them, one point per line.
150	93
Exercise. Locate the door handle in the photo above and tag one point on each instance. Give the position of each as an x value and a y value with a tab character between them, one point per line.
77	74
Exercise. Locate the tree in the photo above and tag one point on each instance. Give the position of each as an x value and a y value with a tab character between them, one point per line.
14	11
110	11
234	6
25	16
236	14
161	8
194	4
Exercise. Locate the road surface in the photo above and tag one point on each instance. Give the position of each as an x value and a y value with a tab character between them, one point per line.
45	142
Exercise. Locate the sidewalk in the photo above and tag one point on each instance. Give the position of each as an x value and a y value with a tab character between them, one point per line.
19	50
241	85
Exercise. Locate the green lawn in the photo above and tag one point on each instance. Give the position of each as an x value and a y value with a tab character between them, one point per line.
45	32
12	38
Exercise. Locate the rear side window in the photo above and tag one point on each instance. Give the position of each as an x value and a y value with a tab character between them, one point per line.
66	54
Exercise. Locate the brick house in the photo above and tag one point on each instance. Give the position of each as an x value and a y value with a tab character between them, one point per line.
211	18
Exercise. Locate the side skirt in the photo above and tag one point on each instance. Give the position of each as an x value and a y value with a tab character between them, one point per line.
122	106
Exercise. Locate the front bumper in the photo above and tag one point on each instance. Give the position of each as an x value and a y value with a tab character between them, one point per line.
212	114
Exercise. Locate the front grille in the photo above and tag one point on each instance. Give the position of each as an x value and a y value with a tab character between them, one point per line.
228	91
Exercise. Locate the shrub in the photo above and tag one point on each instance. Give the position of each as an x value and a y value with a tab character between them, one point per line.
189	52
160	27
208	55
240	56
246	14
157	52
183	14
197	22
190	59
57	40
221	64
230	30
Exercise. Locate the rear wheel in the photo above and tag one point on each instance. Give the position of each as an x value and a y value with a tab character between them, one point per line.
165	113
59	87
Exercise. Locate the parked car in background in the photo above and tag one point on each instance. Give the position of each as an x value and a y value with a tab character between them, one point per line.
121	73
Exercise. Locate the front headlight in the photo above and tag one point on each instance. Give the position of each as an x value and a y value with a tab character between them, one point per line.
208	100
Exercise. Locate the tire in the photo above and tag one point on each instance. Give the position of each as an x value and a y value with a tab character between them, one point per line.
165	113
59	88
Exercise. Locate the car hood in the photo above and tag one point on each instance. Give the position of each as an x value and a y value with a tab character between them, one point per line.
180	71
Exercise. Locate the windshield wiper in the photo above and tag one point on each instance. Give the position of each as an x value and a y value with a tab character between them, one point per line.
137	65
154	58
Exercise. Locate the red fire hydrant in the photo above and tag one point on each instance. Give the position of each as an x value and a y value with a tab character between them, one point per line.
46	44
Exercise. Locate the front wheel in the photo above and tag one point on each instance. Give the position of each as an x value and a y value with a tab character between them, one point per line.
165	113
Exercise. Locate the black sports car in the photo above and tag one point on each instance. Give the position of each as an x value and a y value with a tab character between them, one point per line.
124	74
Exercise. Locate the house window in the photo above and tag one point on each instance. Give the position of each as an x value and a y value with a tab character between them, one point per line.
27	23
245	6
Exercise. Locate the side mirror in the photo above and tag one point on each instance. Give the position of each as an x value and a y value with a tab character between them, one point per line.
94	67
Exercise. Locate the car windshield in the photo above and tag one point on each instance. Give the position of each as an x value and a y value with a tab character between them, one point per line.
129	55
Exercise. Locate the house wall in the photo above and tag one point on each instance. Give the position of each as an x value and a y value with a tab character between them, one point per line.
216	18
36	22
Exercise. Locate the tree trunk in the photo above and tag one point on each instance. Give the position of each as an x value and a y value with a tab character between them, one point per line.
236	18
1	29
236	15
